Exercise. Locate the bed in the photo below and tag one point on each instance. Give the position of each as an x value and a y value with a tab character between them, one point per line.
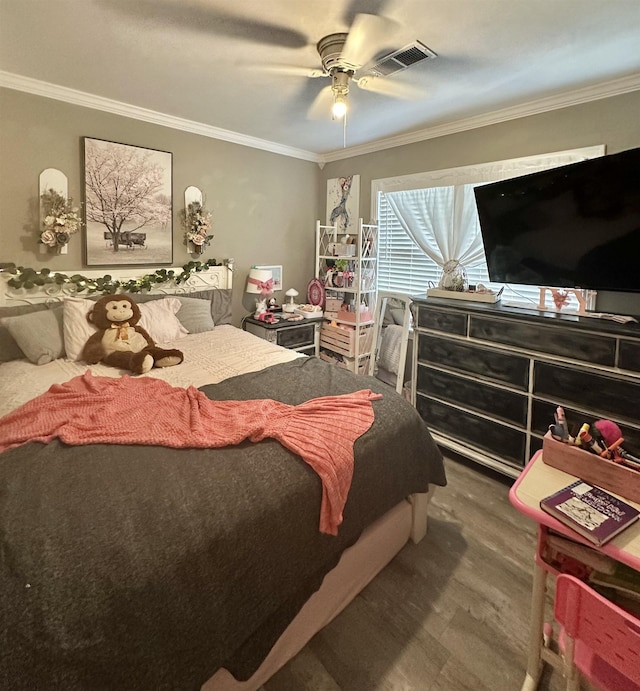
144	567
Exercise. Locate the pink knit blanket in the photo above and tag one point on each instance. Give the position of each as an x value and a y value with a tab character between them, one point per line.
127	410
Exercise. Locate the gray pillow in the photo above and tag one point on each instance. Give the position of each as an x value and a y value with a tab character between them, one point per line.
195	315
9	349
219	302
397	314
38	334
221	306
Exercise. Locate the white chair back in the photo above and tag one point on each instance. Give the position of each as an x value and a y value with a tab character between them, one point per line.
392	322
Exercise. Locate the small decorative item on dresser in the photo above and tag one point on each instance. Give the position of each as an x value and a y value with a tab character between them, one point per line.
454	277
315	292
60	220
309	311
290	306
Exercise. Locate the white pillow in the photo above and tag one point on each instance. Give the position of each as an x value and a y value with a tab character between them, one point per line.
160	321
75	326
158	318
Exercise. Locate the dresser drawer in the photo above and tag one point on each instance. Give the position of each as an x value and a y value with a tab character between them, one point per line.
491	437
442	320
493	365
479	396
629	357
565	342
297	336
607	395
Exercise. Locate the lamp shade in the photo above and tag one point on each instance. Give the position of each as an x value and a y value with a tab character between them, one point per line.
260	282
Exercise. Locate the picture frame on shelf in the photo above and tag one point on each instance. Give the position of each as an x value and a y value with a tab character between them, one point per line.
134	226
276	275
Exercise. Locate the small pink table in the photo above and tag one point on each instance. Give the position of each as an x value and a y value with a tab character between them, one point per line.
535	482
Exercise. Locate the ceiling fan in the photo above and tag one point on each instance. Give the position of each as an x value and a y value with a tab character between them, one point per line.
345	57
348	58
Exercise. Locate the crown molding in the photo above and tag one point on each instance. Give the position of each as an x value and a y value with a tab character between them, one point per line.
614	87
86	100
574	97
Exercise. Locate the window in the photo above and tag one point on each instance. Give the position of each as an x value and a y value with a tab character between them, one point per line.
404	267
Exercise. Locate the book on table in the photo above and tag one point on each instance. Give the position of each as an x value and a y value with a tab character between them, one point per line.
591	511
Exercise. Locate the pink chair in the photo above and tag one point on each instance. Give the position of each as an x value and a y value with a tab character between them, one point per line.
602	641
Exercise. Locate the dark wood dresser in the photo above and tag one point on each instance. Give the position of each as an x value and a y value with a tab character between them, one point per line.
488	378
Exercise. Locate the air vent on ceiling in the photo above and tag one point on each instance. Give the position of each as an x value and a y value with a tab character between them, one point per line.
400	59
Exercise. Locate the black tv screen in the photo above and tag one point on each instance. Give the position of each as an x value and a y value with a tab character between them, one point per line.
576	226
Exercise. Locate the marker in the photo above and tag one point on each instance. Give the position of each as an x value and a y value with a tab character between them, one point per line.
561	420
609	451
589	442
597	435
584	428
629	457
629	461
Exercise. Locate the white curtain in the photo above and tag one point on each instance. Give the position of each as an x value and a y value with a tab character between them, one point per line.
442	221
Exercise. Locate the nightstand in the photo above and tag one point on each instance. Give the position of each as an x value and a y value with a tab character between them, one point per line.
303	336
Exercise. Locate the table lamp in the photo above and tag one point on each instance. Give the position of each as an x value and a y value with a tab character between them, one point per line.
260	282
290	306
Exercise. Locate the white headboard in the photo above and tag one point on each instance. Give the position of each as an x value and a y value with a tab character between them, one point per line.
212	278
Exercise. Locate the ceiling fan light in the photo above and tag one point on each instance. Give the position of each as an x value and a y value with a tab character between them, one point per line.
339	109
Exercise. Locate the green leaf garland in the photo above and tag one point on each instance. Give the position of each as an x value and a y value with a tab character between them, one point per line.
29	278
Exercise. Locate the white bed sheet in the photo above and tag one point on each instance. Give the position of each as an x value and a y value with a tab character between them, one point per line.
209	358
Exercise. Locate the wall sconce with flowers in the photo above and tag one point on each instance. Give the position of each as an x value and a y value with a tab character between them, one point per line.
59	219
197	221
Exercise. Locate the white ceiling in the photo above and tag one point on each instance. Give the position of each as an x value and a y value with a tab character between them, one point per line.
196	62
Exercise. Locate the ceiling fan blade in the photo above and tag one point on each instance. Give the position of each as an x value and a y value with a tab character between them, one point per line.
365	7
368	34
320	109
389	87
209	20
288	70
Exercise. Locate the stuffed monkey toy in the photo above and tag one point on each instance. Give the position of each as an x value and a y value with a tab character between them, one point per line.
120	342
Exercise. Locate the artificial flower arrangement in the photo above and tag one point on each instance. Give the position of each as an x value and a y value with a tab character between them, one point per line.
60	219
198	224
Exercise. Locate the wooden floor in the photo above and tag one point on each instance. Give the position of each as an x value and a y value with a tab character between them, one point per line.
448	614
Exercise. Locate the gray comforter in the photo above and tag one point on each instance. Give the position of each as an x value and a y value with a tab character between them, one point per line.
130	568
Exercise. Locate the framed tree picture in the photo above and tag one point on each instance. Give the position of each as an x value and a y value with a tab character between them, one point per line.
128	204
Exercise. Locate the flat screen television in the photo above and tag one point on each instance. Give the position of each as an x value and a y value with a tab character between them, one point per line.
576	226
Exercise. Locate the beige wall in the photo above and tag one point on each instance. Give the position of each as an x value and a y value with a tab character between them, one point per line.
263	204
613	122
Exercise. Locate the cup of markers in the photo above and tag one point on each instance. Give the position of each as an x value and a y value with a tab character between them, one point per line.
603	438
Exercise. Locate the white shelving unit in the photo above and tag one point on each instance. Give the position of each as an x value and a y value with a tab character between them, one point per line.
346	264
